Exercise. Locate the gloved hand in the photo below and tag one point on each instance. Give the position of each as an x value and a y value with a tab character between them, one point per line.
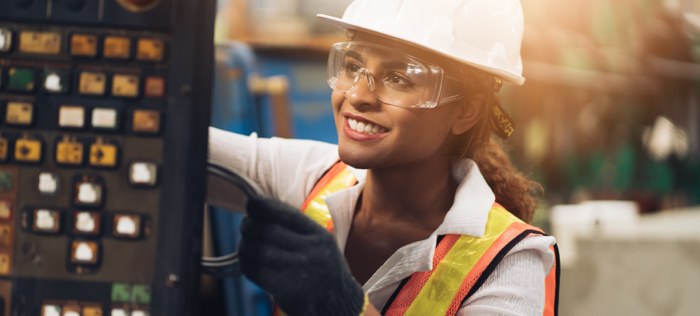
297	261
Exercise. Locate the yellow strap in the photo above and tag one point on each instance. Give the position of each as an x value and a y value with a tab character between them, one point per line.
437	294
317	209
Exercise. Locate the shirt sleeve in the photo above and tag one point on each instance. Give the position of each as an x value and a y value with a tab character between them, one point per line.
285	169
517	285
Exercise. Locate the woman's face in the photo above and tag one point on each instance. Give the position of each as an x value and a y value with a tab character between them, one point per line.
373	134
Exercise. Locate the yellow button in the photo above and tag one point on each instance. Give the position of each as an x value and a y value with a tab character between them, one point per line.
28	150
146	121
92	311
69	152
155	86
150	49
5	235
125	86
83	45
5	209
5	263
117	47
4	146
47	43
103	155
92	83
19	113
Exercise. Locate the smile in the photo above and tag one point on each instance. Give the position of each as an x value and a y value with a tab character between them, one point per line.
365	127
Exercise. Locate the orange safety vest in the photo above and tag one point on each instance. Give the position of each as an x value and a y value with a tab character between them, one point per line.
460	265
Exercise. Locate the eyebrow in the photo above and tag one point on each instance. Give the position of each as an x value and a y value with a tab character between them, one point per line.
388	64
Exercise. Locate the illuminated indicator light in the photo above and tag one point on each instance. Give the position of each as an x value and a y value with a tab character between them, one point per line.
5	235
125	86
92	83
127	226
117	47
84	252
48	183
51	310
83	45
56	81
28	150
71	310
139	313
6	181
71	116
150	49
87	222
71	313
69	152
141	294
4	263
143	173
92	311
21	79
146	121
119	312
46	43
47	221
4	148
103	154
155	87
5	40
89	193
5	210
19	113
104	118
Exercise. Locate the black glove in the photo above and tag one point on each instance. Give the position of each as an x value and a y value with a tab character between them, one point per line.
297	261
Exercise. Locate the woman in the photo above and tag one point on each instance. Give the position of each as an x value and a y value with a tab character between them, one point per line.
408	193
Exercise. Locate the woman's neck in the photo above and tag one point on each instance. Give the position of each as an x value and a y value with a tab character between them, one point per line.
421	193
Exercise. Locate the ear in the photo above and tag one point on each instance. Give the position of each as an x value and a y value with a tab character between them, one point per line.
467	113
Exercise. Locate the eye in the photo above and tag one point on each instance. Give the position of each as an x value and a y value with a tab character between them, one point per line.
351	66
397	81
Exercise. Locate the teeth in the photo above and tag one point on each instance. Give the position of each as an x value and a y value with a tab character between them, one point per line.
364	127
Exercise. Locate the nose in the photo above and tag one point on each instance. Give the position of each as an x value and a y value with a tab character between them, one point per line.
362	93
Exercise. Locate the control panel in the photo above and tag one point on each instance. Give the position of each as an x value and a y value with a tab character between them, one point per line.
104	108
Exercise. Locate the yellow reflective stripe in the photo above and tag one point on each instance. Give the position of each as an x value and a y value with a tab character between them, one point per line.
317	209
444	282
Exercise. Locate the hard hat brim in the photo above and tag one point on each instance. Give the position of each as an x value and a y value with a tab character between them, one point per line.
340	23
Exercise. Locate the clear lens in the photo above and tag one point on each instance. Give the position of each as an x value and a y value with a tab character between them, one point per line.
396	79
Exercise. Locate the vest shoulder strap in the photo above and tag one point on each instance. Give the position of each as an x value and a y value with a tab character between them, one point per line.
338	177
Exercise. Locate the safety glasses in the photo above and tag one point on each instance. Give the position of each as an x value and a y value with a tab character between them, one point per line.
395	78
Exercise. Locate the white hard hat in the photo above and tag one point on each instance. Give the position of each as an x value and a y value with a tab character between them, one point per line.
484	34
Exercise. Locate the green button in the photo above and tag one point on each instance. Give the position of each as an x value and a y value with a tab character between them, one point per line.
121	292
5	181
21	79
141	294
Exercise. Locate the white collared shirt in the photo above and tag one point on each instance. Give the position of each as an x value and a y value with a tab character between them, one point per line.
289	169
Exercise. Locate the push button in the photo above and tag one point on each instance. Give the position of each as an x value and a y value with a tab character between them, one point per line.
103	154
21	79
5	262
47	221
146	121
155	87
28	150
143	173
5	210
150	49
119	311
50	310
88	192
92	83
117	47
7	180
87	223
69	152
84	252
92	311
45	43
4	148
127	226
125	86
105	118
56	81
83	45
71	310
5	235
48	183
139	312
19	113
5	40
71	116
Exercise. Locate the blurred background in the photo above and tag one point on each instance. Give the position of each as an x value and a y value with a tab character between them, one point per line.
608	121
